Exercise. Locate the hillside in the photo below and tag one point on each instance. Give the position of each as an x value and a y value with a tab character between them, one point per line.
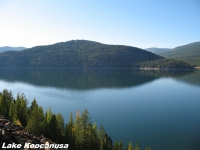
8	48
189	53
77	53
157	50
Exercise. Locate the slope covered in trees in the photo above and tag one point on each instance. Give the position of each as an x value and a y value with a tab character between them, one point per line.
165	64
77	53
80	134
189	53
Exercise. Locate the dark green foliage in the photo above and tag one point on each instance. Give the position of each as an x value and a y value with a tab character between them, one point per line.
53	128
22	109
35	122
165	64
118	146
13	112
189	53
70	133
79	53
5	101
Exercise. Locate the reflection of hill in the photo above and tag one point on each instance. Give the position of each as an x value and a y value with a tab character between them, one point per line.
85	79
193	78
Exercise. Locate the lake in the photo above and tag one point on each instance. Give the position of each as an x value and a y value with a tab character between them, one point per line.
160	109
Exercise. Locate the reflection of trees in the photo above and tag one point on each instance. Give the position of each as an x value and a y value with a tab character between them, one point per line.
86	79
193	78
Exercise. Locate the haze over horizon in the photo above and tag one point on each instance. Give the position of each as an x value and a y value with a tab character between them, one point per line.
143	24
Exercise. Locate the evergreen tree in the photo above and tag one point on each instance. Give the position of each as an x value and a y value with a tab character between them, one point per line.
137	146
148	148
13	112
22	109
36	119
53	126
48	116
6	99
85	123
105	140
78	131
70	133
130	146
61	128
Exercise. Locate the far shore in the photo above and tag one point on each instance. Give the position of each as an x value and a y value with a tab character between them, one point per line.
147	68
196	67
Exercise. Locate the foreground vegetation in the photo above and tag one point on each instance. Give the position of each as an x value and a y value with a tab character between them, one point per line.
80	134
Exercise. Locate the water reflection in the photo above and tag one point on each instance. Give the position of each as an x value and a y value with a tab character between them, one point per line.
79	79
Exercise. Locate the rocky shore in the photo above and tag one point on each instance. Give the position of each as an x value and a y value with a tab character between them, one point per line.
12	135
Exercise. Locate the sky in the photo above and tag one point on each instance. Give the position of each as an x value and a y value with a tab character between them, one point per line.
139	23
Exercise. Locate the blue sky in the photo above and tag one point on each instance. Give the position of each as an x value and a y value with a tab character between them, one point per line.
139	23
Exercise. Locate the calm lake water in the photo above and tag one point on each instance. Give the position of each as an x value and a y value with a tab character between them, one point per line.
160	109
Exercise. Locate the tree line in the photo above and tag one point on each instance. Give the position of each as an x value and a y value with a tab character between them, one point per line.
80	134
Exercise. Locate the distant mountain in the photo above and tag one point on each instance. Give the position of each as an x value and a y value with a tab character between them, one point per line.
8	48
77	53
157	50
189	53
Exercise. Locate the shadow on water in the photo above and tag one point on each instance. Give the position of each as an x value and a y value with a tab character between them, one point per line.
80	79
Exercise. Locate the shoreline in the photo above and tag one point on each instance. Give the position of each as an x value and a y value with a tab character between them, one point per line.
88	68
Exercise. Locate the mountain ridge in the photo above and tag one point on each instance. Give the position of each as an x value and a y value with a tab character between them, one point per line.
189	53
77	53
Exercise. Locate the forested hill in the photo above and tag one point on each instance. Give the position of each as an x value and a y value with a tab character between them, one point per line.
77	53
188	53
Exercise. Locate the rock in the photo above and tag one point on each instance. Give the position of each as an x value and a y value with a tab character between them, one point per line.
11	133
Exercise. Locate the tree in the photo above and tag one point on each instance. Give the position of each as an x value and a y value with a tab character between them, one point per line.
148	148
137	146
53	126
13	112
105	140
22	109
78	131
36	119
118	146
85	123
61	128
130	146
6	99
48	116
70	133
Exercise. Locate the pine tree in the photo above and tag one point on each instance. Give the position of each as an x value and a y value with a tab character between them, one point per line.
6	99
61	128
36	119
53	128
148	148
48	116
85	123
13	112
130	146
70	133
78	131
22	109
137	146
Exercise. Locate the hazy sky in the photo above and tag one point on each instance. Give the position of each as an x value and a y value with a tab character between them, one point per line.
140	23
